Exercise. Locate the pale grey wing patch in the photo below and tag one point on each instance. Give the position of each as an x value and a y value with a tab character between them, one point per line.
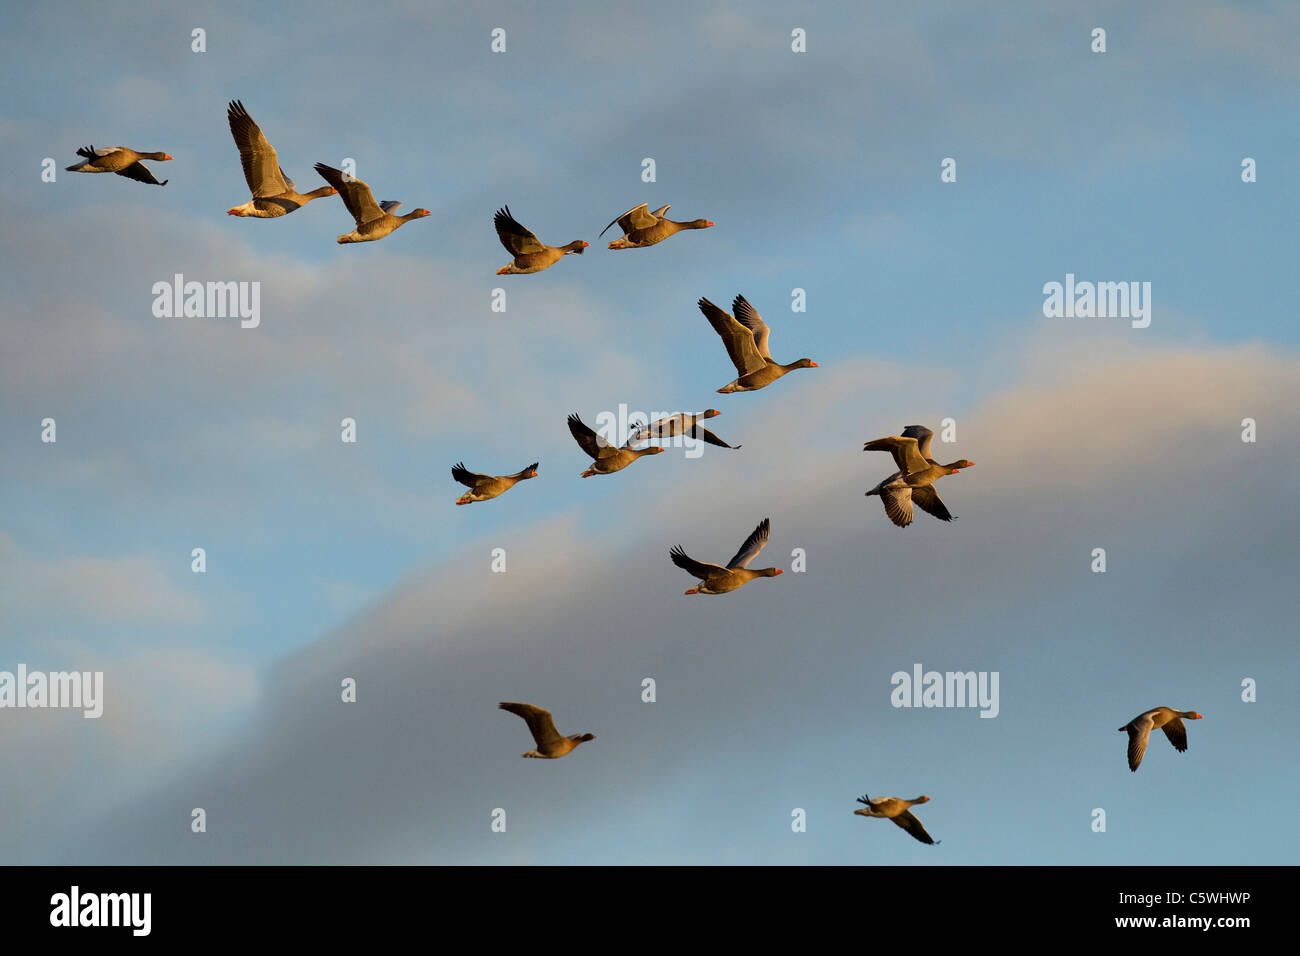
898	505
661	211
389	205
634	218
1137	743
752	546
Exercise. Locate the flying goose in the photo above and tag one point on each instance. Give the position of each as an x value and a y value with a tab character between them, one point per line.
274	193
719	580
531	254
896	809
916	475
120	160
550	743
642	228
483	487
745	335
608	458
1169	720
682	424
374	220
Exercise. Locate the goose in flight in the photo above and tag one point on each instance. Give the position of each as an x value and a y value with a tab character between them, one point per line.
530	253
896	809
274	193
483	487
550	743
120	160
643	228
374	220
1169	720
608	458
720	580
745	335
683	424
916	475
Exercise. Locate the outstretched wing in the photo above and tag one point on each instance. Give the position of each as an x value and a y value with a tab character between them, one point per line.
898	504
923	438
587	439
688	564
638	217
927	499
753	544
907	455
465	476
517	239
738	339
540	723
138	172
1139	731
356	195
748	316
262	171
1176	731
913	826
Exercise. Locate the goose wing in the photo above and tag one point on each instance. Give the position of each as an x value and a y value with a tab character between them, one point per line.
753	544
913	826
638	217
738	339
356	195
517	238
923	438
262	171
688	564
748	316
465	476
540	723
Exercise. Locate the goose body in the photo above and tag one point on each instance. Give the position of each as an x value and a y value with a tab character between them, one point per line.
715	579
746	335
374	220
530	253
274	193
1167	719
483	487
643	228
608	458
551	744
898	810
683	424
916	475
120	160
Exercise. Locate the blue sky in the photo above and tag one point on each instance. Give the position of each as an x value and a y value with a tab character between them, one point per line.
924	301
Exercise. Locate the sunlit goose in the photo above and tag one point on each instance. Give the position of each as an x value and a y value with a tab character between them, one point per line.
745	335
120	160
483	487
550	742
530	253
274	193
719	580
1169	720
916	475
643	228
682	424
608	458
374	220
896	809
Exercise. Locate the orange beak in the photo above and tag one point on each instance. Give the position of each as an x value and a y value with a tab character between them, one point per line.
165	156
813	365
779	571
585	245
692	591
707	223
